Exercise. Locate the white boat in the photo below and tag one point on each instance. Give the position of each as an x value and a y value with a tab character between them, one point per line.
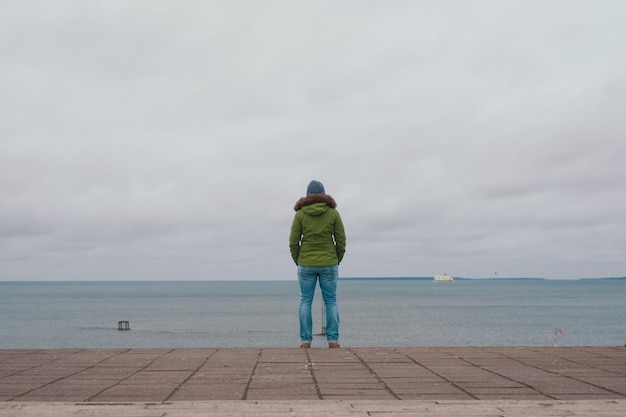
443	278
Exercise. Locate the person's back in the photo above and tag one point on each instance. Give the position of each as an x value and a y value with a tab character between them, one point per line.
317	243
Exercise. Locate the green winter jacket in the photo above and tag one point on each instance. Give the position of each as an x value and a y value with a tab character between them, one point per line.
317	236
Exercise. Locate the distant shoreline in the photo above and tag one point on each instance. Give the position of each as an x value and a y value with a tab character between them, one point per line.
475	279
340	278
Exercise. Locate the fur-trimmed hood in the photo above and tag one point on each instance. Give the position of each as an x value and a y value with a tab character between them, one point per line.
315	198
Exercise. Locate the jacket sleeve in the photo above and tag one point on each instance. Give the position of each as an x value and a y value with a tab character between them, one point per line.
340	238
294	237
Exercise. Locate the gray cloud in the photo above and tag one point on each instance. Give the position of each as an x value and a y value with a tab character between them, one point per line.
153	140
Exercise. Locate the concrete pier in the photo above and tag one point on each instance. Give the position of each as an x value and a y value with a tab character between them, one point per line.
507	381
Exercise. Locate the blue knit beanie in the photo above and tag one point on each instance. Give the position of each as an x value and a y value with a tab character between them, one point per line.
315	187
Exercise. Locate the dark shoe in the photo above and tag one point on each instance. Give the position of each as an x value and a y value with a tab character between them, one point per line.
334	345
305	345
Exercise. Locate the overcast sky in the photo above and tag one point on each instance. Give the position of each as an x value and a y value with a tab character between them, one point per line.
170	140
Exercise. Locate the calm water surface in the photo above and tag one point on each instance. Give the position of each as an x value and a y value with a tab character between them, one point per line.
264	314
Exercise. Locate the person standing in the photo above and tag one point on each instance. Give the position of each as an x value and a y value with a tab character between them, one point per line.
317	243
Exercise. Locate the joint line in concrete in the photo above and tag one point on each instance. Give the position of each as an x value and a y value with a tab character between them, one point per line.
252	375
375	375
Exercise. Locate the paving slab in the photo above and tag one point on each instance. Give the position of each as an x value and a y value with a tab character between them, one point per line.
387	380
316	408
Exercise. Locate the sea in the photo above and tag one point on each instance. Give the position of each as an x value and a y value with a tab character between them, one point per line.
256	314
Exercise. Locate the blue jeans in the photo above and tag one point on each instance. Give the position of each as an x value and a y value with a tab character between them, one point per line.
308	277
